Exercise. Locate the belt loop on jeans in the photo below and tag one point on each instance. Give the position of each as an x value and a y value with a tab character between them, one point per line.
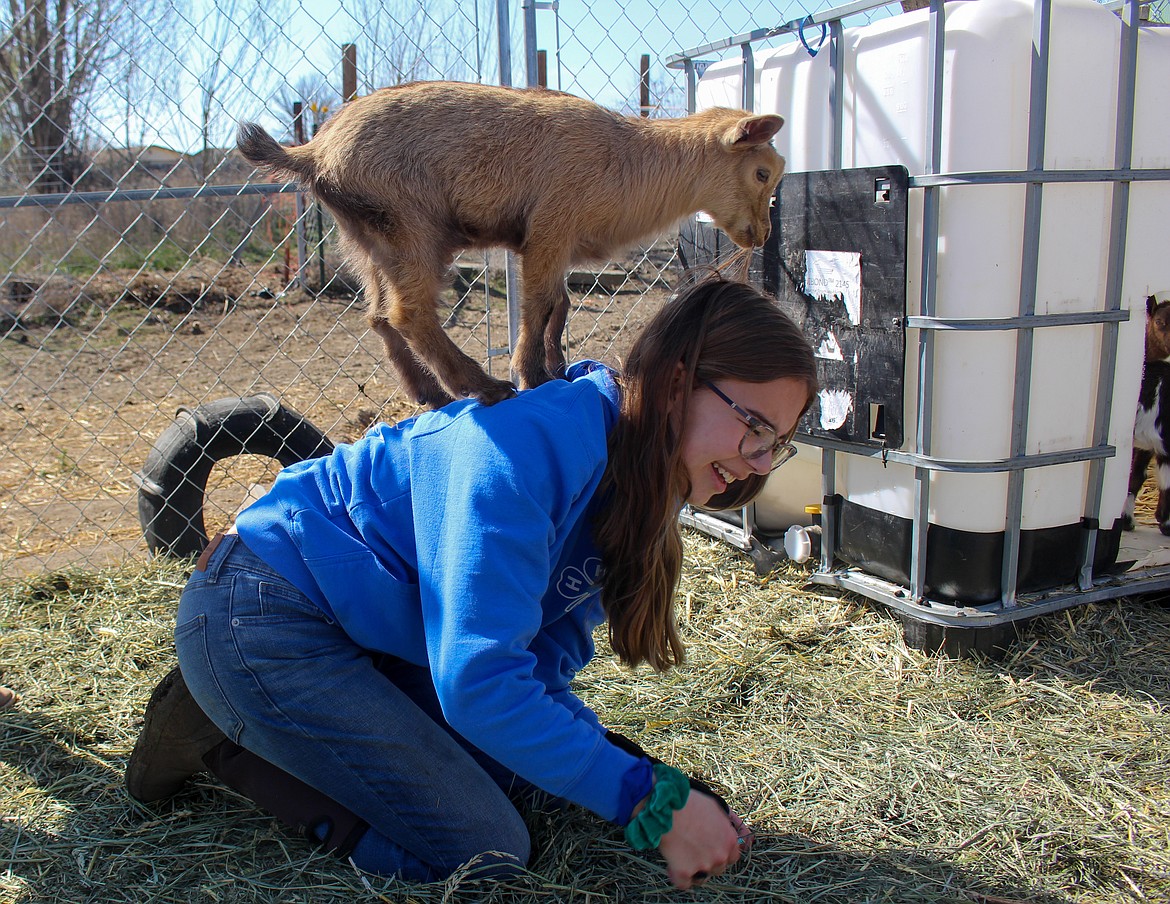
204	561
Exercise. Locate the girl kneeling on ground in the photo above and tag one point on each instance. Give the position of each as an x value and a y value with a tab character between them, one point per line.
380	652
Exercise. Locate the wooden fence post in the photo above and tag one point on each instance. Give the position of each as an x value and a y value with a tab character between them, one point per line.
348	72
302	251
644	84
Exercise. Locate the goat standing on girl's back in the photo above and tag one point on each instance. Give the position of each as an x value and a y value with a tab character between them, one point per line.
1151	432
416	173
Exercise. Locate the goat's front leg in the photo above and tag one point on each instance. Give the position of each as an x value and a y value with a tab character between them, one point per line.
554	333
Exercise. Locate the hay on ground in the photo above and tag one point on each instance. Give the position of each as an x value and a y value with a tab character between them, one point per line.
869	771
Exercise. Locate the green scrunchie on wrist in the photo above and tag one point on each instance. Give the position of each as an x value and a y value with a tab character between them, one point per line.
644	832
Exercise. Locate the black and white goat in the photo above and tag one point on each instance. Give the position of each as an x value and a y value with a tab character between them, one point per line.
1151	432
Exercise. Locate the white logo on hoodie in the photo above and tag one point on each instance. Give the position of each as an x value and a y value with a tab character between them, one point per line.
578	584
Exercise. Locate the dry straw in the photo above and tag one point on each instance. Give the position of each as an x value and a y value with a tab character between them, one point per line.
870	772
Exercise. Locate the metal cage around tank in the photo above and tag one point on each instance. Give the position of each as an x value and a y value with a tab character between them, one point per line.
911	599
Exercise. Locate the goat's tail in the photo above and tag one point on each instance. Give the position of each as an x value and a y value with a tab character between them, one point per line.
261	149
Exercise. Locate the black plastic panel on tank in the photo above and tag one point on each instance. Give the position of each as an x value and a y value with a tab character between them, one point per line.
836	263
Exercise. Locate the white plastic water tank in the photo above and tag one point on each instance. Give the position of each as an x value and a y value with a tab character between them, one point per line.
786	495
987	71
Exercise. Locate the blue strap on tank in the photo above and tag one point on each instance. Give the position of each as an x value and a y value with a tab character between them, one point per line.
812	51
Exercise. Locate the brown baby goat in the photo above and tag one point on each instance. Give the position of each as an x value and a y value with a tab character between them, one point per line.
416	173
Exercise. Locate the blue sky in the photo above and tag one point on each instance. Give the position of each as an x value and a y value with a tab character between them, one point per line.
599	43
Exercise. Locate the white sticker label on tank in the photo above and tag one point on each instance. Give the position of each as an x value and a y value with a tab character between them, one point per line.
830	348
829	275
835	407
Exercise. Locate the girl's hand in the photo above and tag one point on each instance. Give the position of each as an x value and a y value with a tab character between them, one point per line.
746	836
702	842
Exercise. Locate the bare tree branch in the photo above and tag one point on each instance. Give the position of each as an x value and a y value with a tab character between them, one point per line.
53	57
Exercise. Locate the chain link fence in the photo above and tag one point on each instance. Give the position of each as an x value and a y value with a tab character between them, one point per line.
146	269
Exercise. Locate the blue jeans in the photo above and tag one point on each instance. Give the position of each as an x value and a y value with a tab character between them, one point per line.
285	682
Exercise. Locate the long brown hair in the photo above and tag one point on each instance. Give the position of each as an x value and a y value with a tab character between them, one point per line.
717	329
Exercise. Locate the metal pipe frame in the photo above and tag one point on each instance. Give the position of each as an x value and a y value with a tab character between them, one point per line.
147	194
823	17
928	288
991	177
962	465
1029	280
1118	228
1029	321
830	514
894	596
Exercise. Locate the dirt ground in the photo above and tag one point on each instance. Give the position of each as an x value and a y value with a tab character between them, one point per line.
93	371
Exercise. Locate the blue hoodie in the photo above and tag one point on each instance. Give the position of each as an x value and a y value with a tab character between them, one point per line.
460	540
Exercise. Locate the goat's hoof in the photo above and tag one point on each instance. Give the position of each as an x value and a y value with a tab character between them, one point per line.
557	367
496	391
432	397
1127	523
434	402
1165	528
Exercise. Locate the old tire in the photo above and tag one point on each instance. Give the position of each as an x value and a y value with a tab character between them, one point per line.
173	482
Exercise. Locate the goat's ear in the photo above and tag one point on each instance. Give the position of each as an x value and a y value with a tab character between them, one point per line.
1151	303
753	130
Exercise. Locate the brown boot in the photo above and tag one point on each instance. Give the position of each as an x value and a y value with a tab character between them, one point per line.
299	807
175	736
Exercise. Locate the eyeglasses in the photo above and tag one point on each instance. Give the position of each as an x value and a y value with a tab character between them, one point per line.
760	440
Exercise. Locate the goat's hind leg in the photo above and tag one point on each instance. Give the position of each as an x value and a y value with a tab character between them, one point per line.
418	382
409	306
1137	478
1162	475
